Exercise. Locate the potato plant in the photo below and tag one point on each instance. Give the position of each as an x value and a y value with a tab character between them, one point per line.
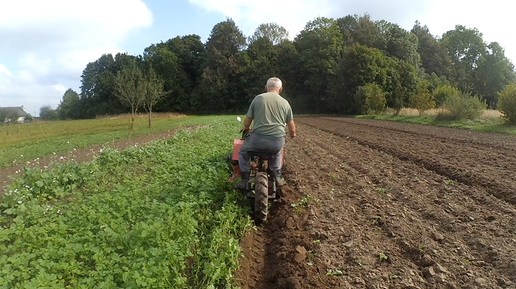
160	216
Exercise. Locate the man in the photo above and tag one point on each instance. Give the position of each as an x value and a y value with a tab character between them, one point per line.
270	113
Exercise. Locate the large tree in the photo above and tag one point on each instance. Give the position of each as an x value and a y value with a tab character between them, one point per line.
263	63
69	106
179	63
98	87
319	45
46	113
494	72
225	63
401	44
434	58
361	30
272	31
168	67
359	66
465	47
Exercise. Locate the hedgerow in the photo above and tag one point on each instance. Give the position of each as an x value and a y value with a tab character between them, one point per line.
161	216
507	103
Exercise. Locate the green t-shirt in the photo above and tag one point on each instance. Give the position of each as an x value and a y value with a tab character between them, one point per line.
270	113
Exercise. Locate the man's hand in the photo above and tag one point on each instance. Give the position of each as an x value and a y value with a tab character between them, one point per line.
291	129
247	124
245	129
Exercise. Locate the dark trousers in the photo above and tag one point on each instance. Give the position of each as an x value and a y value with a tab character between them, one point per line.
256	142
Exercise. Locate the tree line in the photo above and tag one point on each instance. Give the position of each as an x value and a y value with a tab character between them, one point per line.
327	68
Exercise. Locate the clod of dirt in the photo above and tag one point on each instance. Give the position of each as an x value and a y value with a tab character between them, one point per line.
301	254
438	237
429	272
348	244
481	282
427	261
440	269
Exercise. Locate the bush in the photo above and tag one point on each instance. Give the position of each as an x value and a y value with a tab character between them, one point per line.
423	100
444	92
507	103
464	106
370	99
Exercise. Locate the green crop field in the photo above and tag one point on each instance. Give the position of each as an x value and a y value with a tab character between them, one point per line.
160	216
25	142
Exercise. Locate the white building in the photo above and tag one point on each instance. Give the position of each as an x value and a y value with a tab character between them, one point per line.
13	114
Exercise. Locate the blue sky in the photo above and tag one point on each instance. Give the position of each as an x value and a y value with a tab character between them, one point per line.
45	45
171	19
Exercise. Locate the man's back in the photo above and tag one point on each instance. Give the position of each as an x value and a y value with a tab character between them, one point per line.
270	113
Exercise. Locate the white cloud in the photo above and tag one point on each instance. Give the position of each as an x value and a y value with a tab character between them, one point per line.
291	14
5	71
46	44
30	25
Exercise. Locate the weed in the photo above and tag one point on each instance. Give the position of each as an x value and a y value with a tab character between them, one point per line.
317	242
382	257
310	257
305	202
330	272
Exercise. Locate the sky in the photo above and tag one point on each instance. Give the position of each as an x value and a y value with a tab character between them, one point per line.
45	45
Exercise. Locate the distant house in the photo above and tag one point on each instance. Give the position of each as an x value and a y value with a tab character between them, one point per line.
13	114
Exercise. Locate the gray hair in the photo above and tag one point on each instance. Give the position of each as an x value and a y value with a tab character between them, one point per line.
274	83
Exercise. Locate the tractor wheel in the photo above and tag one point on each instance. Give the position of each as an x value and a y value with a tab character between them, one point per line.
261	197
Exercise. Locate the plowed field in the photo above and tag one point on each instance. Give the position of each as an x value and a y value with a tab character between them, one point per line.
389	205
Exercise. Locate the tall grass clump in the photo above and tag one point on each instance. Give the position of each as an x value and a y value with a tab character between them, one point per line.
507	103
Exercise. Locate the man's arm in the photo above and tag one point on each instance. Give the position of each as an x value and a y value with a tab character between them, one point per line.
291	128
247	123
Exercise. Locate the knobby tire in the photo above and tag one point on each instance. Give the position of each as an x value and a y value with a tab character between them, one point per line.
261	197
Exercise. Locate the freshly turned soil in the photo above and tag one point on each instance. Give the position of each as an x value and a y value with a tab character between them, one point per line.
392	205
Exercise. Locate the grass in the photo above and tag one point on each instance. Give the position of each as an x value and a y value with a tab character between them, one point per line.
159	216
490	121
25	142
